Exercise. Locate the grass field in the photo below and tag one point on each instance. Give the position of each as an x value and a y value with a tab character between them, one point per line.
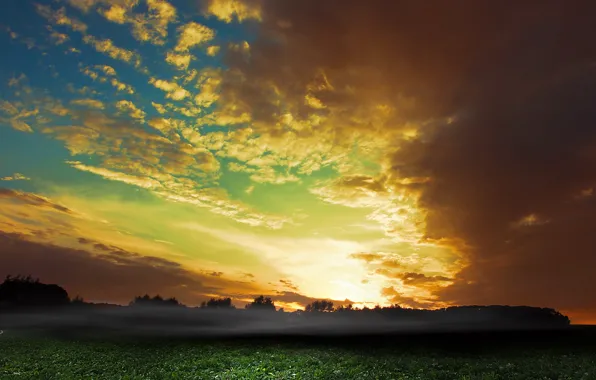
541	357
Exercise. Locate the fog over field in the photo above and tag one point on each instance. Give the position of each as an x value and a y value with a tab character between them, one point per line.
158	321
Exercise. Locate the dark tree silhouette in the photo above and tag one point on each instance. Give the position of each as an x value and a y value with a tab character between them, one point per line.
218	303
19	292
157	300
16	292
261	303
319	306
342	308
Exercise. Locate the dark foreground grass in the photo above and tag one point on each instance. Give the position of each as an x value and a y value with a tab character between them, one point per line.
473	356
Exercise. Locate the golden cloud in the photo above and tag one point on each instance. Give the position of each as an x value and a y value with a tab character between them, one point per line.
56	37
159	108
132	110
59	17
228	10
143	182
174	90
213	50
107	46
89	103
193	34
20	125
181	61
16	177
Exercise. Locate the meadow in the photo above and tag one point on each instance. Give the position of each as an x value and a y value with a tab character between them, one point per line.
449	356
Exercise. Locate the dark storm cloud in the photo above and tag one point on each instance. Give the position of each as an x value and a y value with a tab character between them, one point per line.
518	80
116	276
425	58
32	199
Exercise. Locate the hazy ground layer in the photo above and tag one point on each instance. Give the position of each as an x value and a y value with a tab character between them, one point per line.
531	355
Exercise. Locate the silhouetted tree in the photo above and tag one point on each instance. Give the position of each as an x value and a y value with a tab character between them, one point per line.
21	291
17	292
320	306
157	300
261	303
342	308
218	303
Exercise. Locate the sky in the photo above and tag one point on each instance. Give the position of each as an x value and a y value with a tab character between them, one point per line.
425	154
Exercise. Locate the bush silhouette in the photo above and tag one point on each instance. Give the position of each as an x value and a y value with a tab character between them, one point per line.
218	303
18	292
261	303
319	306
157	300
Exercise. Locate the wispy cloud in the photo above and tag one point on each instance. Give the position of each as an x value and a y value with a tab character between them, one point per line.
15	177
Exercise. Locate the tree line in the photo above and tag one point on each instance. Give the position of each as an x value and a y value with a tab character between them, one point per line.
18	293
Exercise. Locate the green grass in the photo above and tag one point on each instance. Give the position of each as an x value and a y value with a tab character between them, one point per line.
47	358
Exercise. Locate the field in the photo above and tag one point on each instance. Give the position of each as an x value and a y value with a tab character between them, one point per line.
538	355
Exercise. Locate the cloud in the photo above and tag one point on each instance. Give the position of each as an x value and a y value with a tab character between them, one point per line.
393	209
367	257
111	275
193	34
88	103
20	125
59	17
21	197
115	13
420	278
84	5
317	265
103	74
147	183
355	191
396	298
110	49
482	93
470	150
16	177
132	155
119	86
289	284
180	61
56	37
264	174
8	108
162	125
228	10
159	108
16	111
459	114
53	227
146	27
174	90
208	83
213	50
131	109
154	26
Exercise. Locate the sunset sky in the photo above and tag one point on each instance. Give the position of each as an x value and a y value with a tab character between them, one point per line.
421	153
